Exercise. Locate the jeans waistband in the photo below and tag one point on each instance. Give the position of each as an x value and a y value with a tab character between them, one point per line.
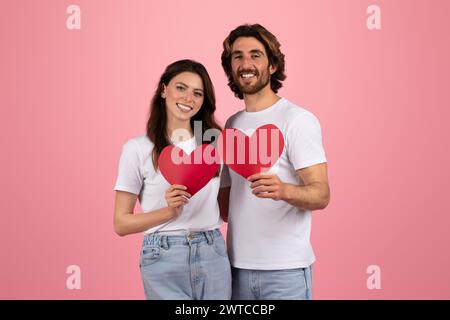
188	238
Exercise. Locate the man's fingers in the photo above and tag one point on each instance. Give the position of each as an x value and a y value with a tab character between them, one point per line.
267	195
258	176
264	189
263	182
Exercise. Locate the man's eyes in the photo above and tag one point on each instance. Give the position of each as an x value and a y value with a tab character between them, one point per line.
254	55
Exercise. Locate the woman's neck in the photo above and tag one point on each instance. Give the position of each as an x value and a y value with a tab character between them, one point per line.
179	130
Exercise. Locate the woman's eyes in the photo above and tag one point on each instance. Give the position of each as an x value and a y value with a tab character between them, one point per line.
197	94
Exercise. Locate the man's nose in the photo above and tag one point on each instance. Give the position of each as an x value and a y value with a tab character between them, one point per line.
246	63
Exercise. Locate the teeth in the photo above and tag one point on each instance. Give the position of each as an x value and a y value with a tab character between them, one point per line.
184	107
248	75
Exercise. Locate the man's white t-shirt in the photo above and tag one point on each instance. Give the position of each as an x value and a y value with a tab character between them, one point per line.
137	175
265	234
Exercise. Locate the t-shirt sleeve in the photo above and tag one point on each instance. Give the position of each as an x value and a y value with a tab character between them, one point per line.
129	176
305	147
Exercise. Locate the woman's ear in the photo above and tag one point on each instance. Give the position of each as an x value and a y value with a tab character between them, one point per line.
163	92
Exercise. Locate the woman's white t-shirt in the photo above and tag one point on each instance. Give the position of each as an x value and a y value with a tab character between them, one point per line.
137	175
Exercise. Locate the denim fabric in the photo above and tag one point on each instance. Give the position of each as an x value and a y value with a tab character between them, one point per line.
185	267
289	284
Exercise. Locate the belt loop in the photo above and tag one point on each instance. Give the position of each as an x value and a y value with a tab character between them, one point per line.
209	237
164	242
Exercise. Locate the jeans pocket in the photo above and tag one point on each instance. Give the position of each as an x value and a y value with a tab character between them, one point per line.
220	247
149	255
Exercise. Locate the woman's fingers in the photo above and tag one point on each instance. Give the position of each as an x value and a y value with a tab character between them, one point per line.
178	186
181	193
180	198
177	190
176	196
178	204
177	193
176	201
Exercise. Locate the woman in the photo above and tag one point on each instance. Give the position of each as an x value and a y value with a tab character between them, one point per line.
183	253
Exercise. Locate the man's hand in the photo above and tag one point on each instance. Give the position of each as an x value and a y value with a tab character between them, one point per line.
267	186
313	194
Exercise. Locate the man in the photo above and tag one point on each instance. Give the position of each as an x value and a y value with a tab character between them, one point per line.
269	214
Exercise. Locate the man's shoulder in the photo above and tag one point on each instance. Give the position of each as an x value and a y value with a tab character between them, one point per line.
293	112
233	117
286	112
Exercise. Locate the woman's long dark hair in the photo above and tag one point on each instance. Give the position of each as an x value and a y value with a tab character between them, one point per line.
157	122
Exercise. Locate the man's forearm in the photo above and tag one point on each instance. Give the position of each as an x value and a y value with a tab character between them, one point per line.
311	197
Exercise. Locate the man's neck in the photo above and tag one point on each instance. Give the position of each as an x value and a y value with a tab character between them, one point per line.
261	100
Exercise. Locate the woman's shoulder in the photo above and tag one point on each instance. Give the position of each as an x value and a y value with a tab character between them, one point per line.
140	144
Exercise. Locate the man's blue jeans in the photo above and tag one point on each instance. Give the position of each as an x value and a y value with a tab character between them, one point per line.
289	284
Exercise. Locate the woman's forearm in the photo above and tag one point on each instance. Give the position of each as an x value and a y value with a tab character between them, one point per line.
130	223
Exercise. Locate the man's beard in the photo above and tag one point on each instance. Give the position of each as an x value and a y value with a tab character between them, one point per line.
262	80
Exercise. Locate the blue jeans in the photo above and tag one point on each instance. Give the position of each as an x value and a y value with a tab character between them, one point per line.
289	284
185	267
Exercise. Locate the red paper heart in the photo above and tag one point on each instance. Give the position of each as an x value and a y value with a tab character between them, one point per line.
193	171
248	155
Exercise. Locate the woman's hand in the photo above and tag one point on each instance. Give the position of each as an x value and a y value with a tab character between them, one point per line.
176	198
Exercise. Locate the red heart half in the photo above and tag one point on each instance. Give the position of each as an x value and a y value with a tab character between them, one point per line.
250	155
193	171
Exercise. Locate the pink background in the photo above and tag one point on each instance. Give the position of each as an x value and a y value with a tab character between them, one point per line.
71	98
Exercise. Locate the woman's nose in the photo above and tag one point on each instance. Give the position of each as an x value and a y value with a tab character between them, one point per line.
189	95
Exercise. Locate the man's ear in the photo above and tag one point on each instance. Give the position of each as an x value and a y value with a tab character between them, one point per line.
272	69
